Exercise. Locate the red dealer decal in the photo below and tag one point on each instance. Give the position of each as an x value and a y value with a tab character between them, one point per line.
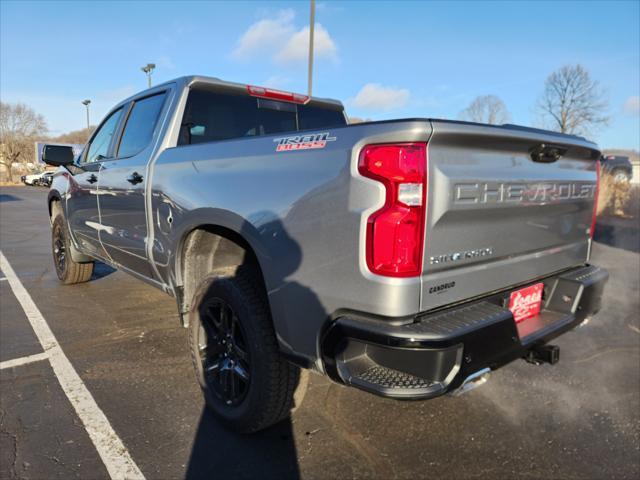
303	142
525	303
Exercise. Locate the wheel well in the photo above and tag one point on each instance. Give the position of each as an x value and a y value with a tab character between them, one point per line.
55	207
212	249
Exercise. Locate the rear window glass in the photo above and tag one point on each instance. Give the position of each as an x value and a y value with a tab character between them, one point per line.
211	116
310	117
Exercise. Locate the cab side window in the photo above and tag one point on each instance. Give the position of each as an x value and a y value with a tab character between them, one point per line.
141	123
99	146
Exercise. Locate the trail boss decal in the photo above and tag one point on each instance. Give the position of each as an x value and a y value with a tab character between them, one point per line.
303	142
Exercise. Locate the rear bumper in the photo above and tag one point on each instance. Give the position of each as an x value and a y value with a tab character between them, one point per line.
434	353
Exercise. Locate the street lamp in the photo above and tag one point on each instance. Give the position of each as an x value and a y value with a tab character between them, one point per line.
148	69
86	104
312	22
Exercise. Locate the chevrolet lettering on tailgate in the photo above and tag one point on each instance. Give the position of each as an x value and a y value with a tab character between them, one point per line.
530	193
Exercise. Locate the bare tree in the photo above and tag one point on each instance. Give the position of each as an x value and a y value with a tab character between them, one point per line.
486	109
20	126
572	102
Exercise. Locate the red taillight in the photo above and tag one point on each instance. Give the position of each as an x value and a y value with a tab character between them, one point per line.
277	94
395	233
595	201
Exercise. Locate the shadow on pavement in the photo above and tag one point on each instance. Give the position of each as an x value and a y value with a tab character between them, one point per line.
4	197
101	270
219	453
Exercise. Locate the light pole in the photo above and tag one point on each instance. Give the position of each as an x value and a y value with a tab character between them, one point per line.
148	69
312	22
86	104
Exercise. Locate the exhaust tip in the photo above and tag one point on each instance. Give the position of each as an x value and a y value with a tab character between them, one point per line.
473	381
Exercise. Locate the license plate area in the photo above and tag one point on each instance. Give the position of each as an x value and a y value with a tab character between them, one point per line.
525	302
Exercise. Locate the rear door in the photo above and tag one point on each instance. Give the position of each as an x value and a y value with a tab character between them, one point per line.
505	205
123	181
82	199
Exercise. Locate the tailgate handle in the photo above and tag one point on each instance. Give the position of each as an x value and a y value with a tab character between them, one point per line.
545	153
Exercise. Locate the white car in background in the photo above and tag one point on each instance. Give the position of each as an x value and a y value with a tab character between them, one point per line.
37	179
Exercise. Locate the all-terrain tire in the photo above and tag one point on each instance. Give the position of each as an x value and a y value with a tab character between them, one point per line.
268	397
68	271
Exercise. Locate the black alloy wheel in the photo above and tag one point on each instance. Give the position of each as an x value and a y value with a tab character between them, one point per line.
59	249
224	355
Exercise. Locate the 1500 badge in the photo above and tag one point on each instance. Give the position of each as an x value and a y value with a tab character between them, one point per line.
303	142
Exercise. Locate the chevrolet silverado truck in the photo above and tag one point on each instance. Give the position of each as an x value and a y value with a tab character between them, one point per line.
407	258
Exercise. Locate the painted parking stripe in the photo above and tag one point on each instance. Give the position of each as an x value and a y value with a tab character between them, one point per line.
112	451
16	362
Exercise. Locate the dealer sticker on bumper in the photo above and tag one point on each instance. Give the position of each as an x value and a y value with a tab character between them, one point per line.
525	303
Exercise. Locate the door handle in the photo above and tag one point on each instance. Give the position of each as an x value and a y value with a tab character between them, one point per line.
134	178
92	178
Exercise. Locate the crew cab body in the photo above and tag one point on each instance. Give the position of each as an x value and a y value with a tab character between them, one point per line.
398	287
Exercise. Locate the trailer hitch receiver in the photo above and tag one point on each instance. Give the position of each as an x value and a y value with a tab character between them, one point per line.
543	354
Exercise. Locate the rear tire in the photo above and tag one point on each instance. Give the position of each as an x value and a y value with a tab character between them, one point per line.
68	271
245	381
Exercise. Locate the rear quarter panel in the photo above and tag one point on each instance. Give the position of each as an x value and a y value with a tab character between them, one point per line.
303	213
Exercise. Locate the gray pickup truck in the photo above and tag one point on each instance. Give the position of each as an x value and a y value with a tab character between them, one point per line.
407	258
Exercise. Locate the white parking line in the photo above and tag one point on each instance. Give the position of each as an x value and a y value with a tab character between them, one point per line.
112	451
16	362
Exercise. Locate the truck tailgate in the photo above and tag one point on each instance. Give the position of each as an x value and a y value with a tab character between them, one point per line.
498	213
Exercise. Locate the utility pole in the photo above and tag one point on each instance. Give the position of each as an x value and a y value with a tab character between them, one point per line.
86	104
312	24
148	69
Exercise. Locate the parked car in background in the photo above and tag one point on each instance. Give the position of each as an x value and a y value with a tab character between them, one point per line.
45	179
406	258
38	179
618	166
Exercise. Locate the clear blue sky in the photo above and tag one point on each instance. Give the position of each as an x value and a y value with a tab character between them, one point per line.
383	59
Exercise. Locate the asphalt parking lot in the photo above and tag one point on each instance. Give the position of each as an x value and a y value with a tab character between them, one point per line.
577	419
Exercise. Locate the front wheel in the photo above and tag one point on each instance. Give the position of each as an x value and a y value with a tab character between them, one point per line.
245	381
620	176
68	271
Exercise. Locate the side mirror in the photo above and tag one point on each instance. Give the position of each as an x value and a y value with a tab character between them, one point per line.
57	155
